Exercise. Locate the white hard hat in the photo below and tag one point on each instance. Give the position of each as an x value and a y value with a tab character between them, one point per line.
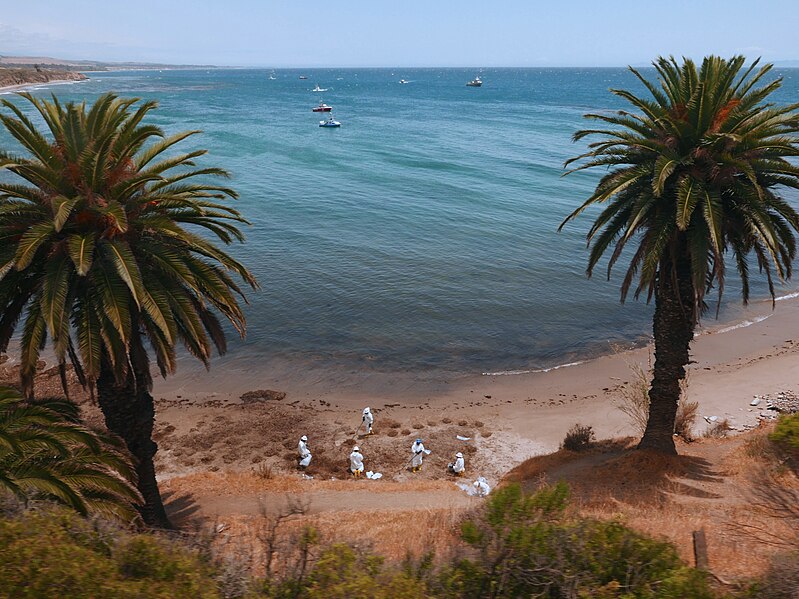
303	438
356	448
459	455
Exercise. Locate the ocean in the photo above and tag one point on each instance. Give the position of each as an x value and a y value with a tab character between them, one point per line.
420	237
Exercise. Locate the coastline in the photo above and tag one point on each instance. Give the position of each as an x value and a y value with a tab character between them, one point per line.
731	362
38	79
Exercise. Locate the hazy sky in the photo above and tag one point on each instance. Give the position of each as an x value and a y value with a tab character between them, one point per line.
399	33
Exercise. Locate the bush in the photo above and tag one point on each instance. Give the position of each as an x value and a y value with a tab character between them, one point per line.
55	553
786	433
578	438
528	546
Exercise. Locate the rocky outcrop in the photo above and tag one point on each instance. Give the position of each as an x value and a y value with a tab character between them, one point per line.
15	77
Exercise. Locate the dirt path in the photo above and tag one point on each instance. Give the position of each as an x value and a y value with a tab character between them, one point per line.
356	500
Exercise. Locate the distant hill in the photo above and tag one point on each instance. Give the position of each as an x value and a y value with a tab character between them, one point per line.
50	63
13	77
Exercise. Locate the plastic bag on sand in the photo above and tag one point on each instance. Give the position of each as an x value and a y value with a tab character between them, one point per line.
374	475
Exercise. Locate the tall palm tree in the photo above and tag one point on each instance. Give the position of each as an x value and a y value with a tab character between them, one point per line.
101	254
46	452
696	171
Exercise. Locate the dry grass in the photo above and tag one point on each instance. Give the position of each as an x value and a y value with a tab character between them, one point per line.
714	484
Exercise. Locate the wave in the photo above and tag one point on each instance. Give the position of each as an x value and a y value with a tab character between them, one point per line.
787	296
742	325
514	372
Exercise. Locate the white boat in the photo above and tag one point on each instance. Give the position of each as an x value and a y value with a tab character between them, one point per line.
404	81
272	77
319	89
476	82
330	122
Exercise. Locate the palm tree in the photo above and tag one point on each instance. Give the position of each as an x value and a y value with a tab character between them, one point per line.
696	171
46	452
101	254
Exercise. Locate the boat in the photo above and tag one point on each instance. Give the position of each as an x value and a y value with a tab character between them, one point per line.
403	81
476	82
303	77
330	122
319	89
322	108
272	77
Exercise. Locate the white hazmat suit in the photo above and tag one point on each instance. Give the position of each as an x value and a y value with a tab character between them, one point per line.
458	466
305	454
356	462
418	451
481	488
368	420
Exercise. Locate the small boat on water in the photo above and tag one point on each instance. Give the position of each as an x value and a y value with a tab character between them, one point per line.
330	122
322	108
272	77
404	81
303	77
319	89
476	82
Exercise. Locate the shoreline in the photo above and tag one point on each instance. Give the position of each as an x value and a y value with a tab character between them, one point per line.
33	84
754	355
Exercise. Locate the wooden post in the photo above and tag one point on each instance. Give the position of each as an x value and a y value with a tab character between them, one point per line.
700	549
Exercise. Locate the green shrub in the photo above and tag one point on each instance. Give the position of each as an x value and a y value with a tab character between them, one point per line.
786	433
55	553
528	545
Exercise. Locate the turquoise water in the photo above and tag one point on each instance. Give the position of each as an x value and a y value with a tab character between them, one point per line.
421	235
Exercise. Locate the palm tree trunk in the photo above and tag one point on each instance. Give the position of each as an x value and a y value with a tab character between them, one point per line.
673	327
130	413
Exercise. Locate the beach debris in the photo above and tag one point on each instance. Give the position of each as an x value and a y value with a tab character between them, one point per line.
262	395
711	418
221	527
374	475
784	402
306	476
462	438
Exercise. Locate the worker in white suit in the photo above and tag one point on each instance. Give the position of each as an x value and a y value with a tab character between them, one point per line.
417	454
481	488
305	453
458	467
368	420
356	462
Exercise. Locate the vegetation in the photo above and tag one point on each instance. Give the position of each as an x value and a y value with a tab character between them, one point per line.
98	256
516	545
46	453
53	553
695	174
786	433
634	402
579	437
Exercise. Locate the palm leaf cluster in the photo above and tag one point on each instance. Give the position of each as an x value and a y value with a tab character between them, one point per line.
105	240
46	453
695	169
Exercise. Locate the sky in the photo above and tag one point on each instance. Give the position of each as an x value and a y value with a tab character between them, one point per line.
305	33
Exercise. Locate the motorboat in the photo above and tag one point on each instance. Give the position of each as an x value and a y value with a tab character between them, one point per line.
330	122
476	82
303	77
319	89
322	108
404	81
